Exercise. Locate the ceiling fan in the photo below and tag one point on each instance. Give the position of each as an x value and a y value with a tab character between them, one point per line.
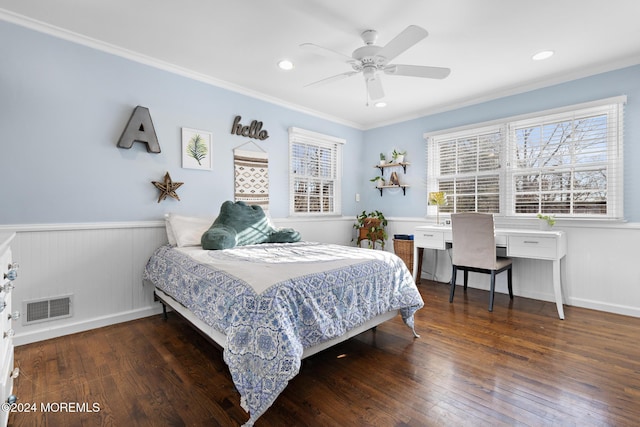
371	60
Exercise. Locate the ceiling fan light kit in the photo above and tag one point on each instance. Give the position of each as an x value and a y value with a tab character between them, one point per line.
371	59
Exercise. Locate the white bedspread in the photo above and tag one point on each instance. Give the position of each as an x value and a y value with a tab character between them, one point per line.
262	266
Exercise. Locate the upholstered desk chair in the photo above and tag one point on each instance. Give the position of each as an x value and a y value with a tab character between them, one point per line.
474	249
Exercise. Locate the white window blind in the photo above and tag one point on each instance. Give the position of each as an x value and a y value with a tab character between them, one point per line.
467	167
315	172
566	163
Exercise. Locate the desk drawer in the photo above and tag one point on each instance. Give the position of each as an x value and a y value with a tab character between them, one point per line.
532	247
429	239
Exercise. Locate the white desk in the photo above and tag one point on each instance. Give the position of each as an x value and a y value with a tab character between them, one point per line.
520	243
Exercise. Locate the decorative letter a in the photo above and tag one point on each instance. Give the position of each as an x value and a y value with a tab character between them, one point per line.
140	129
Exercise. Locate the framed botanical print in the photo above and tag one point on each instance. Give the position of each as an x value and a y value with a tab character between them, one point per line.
196	149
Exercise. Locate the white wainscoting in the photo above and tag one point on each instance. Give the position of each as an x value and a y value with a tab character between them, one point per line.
101	265
338	230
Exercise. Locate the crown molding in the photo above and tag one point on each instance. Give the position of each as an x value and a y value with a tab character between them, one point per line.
61	33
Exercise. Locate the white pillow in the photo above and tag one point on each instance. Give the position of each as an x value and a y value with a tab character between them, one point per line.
170	236
187	230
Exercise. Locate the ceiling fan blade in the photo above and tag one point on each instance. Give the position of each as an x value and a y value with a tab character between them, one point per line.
403	41
374	88
326	52
332	78
417	71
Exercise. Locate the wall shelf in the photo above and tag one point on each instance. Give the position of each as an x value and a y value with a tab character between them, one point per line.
403	165
402	186
391	165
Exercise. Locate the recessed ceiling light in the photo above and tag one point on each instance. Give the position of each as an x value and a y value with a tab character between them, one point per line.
285	64
380	104
543	54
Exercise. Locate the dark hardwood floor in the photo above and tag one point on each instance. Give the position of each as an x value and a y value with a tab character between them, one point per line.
519	365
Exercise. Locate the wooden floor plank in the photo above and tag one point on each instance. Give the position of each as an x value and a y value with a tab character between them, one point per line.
519	365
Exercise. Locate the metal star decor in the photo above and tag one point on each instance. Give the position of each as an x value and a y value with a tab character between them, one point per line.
167	188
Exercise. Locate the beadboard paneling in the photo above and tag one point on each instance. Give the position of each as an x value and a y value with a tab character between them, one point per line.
101	267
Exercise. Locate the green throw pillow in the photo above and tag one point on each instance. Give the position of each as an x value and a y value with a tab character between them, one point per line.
239	224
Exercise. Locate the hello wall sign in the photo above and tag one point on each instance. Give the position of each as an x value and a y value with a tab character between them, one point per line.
253	131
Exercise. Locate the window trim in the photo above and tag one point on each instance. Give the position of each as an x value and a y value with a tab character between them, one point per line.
506	125
298	135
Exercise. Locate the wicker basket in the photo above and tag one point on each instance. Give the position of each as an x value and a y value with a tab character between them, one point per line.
404	249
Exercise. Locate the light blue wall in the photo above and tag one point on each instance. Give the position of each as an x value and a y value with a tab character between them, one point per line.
409	136
63	107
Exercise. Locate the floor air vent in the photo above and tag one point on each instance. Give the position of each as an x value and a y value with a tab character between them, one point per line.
46	310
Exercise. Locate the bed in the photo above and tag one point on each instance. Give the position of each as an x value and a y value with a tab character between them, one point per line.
270	305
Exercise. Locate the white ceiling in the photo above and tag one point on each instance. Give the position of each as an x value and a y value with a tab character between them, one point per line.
236	44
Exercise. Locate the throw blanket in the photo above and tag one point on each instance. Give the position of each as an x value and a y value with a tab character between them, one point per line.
274	300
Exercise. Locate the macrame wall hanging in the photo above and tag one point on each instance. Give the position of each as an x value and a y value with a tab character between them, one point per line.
251	169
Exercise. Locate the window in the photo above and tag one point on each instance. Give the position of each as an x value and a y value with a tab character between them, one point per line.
469	169
315	172
566	163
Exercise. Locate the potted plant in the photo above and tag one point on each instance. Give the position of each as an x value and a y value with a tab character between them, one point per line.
546	221
398	156
383	159
378	180
371	226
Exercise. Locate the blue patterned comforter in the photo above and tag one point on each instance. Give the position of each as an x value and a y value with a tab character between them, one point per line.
274	300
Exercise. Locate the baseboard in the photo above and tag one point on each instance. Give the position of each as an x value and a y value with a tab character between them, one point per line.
624	310
55	332
99	322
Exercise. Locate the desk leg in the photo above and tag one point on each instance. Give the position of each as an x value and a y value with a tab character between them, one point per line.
420	254
417	263
557	288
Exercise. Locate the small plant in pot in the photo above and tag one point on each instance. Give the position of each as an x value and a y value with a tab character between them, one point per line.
383	159
371	226
378	180
398	156
546	221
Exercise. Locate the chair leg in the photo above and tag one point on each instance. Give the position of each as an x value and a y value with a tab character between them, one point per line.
453	283
509	282
493	286
466	279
